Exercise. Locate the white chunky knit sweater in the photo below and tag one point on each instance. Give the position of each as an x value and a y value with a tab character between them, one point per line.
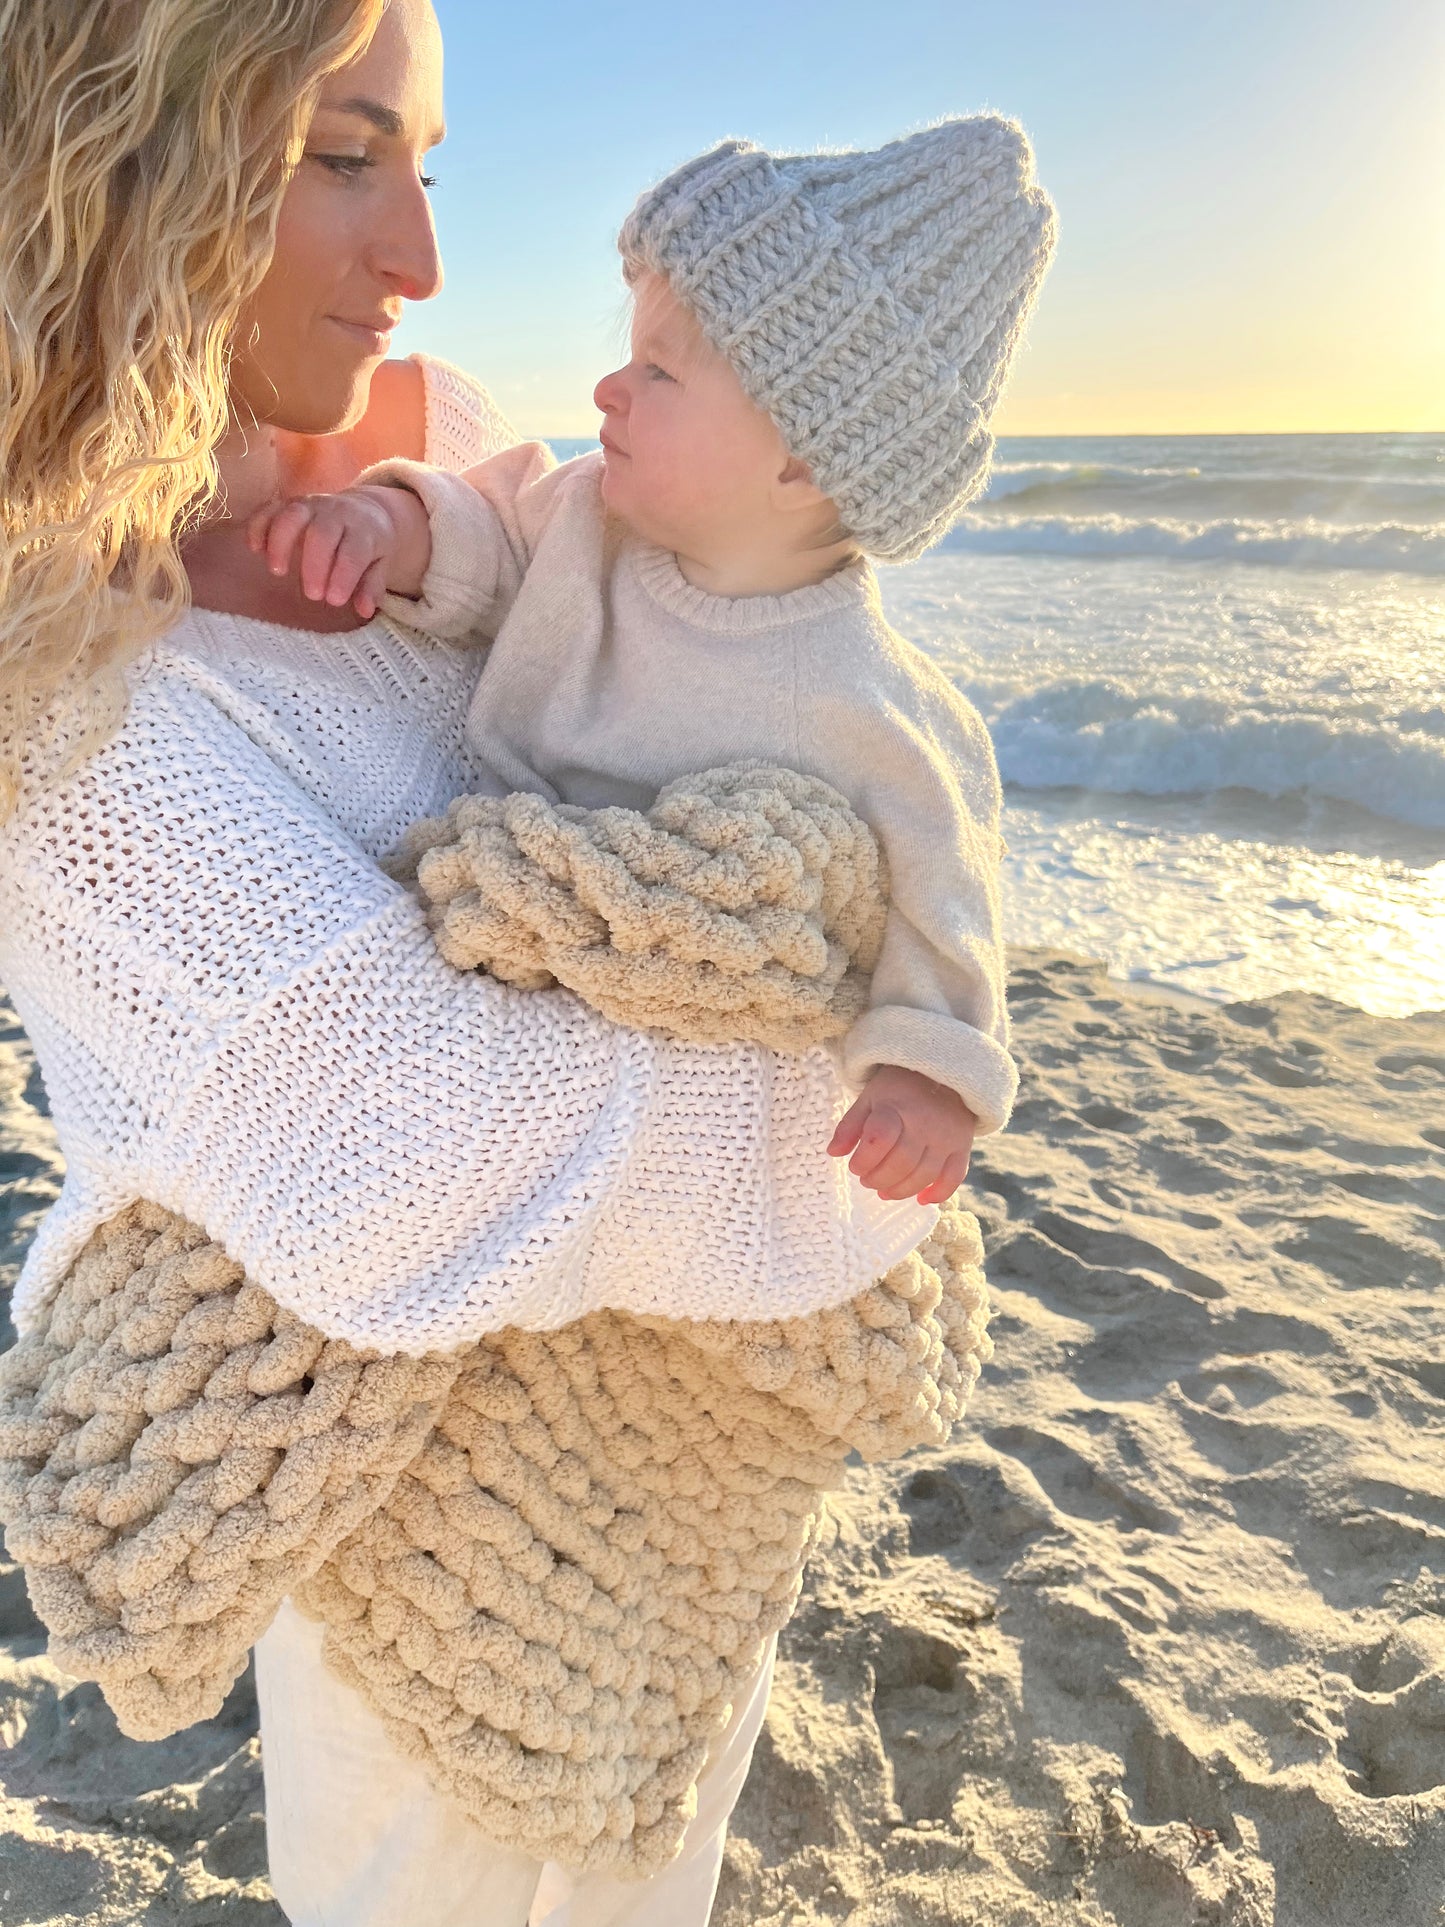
240	1018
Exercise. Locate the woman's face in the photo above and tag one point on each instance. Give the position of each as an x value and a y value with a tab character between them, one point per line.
355	238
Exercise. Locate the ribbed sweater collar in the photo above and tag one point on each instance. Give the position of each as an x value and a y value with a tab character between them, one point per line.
658	573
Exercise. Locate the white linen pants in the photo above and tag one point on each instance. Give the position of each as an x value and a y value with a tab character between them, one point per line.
356	1837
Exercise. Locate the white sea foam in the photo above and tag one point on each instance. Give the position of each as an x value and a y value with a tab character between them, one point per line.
1192	493
1098	737
1232	777
1312	501
1311	544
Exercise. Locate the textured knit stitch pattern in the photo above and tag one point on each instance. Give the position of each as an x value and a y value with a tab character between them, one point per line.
241	1018
870	302
548	1561
746	904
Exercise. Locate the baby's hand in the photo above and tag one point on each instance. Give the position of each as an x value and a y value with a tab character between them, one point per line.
352	547
909	1136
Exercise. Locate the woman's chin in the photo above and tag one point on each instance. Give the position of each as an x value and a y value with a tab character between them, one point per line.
322	401
333	408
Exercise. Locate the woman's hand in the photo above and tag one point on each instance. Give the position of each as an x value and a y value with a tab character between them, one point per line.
355	546
909	1137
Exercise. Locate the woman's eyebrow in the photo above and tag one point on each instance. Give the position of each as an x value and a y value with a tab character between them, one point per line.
385	120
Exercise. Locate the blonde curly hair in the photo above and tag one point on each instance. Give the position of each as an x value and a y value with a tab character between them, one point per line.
144	149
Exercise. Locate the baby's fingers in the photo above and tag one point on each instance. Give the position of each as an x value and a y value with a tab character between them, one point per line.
902	1173
881	1132
258	527
850	1129
355	557
370	590
319	548
285	527
955	1170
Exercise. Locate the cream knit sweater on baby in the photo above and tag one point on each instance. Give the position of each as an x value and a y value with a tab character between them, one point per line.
611	676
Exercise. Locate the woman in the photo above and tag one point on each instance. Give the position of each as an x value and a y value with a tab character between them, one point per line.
237	1015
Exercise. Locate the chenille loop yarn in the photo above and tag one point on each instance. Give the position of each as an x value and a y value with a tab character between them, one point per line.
870	302
745	905
548	1560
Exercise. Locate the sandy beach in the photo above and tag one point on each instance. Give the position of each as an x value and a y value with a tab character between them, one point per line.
1158	1641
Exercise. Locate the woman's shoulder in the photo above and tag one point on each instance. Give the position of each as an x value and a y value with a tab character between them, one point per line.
425	410
463	424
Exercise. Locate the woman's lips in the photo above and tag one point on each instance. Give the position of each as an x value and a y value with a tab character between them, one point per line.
374	337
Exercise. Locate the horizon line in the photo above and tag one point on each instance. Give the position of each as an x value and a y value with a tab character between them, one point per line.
1135	434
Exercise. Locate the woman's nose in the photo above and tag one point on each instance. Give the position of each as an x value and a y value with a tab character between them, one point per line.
610	394
407	255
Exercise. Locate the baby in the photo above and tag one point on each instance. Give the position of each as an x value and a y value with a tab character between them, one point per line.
818	343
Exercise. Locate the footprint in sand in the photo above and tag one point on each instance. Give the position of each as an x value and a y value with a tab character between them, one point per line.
1361	1259
1396	1727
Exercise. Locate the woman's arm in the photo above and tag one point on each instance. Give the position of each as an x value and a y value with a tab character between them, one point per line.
242	1020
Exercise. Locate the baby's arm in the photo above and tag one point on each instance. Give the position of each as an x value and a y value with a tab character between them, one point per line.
931	1052
439	552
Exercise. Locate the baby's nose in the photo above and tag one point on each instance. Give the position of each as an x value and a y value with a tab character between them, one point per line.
610	394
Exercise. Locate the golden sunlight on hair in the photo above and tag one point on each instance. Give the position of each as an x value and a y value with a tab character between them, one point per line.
144	149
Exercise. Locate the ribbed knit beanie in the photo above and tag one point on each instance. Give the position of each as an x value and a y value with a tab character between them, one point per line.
870	302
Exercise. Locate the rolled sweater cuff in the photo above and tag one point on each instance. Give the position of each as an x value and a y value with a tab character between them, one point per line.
944	1048
458	592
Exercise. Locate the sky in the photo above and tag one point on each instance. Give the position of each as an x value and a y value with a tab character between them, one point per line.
1251	193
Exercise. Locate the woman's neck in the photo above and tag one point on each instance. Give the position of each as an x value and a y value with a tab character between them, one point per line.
260	465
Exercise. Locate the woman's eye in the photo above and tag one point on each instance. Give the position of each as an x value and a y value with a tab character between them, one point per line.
430	181
348	166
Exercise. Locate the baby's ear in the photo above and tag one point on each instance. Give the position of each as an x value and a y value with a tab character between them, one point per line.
794	487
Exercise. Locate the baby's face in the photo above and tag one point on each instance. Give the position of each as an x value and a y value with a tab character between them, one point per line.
692	464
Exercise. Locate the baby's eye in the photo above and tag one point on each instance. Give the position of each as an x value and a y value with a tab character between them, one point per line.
654	373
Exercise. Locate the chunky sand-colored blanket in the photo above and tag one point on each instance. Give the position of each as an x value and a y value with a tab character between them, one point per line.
550	1559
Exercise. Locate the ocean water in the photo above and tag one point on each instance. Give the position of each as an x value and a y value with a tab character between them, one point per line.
1214	669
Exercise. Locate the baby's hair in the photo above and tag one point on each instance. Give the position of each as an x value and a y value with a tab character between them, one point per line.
633	271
